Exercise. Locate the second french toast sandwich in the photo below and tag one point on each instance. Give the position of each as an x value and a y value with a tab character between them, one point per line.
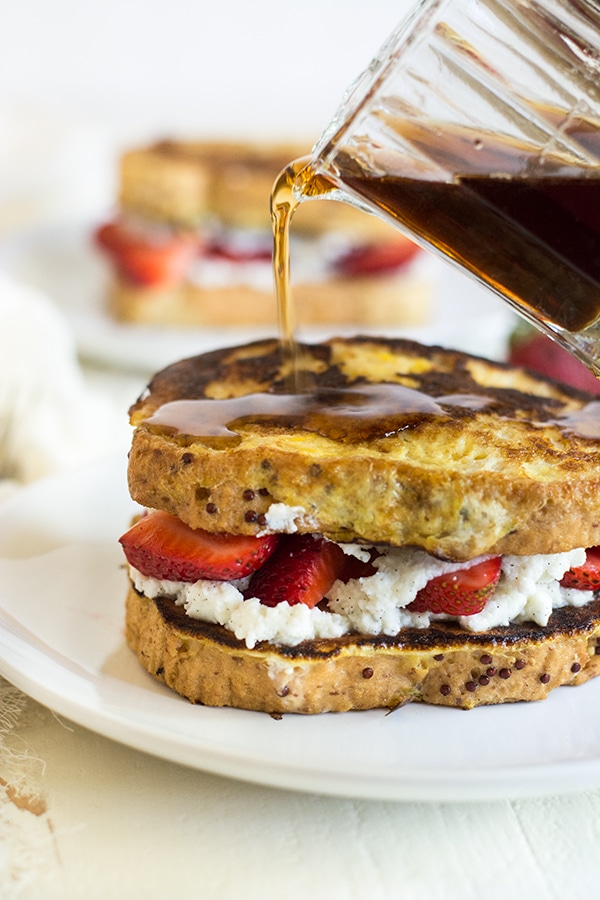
414	524
191	239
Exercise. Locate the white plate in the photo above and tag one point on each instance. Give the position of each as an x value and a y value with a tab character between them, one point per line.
62	588
63	263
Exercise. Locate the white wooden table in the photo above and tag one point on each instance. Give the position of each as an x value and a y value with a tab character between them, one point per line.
84	817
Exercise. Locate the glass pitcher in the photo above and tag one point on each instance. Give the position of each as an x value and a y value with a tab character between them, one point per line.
476	131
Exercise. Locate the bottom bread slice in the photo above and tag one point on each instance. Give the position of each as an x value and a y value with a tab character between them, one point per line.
442	665
380	301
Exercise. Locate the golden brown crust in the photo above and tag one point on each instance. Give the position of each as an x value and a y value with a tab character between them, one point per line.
385	300
161	187
505	478
441	665
203	186
186	182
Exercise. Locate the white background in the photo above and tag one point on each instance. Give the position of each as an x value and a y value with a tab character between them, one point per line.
81	80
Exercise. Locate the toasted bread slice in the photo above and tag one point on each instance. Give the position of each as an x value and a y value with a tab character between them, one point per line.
218	193
389	300
185	183
442	665
463	457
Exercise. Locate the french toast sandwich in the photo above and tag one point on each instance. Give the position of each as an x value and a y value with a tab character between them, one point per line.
190	244
414	524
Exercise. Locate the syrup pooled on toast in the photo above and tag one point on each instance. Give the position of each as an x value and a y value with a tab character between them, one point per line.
536	239
351	415
358	413
284	202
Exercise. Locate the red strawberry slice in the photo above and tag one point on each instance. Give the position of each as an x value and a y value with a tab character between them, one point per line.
460	593
371	259
161	262
162	546
587	576
218	249
358	568
302	570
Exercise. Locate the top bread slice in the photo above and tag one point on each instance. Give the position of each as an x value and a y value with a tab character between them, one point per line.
187	183
511	465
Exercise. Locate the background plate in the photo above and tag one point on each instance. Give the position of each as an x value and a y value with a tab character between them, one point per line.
63	263
62	589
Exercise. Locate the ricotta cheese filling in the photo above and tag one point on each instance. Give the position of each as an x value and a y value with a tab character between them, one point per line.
314	262
528	591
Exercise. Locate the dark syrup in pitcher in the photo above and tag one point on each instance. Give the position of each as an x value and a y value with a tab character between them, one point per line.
529	229
536	239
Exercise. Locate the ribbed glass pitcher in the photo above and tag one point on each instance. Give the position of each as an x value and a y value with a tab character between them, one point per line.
476	130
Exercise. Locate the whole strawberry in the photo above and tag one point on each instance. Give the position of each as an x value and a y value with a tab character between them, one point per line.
534	350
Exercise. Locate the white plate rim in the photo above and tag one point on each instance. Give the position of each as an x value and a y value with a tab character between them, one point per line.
158	724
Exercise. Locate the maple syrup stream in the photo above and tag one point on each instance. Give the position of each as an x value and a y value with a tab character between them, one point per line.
541	247
370	411
283	206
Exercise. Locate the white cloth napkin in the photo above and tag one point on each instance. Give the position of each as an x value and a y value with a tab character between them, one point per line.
49	419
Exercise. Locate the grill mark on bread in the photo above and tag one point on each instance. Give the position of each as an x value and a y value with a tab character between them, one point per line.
193	378
439	636
209	666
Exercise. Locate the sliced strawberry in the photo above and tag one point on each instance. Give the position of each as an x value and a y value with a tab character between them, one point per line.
219	249
460	593
151	262
587	576
162	546
371	259
301	571
356	568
